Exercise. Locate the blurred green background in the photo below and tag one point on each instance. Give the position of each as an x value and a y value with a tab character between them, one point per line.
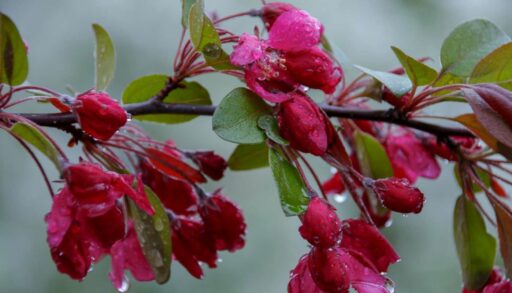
145	33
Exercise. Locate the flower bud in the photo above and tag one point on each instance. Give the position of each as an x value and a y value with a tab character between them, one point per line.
303	124
320	225
210	164
398	195
99	115
313	68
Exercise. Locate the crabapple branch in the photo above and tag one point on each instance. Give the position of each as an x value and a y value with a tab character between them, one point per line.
154	106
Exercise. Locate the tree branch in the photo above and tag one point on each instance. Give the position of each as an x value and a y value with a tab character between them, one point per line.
155	107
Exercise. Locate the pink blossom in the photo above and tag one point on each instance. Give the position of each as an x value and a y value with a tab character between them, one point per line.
410	158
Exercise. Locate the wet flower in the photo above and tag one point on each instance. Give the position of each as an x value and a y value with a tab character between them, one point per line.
398	195
68	248
410	158
99	115
303	124
176	195
224	221
276	68
127	255
334	270
301	280
271	11
320	225
316	71
192	244
76	239
328	270
365	240
210	163
97	190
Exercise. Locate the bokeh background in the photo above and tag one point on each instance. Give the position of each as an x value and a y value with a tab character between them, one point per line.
145	33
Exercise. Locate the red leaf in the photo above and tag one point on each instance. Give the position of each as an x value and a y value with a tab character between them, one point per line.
174	167
491	120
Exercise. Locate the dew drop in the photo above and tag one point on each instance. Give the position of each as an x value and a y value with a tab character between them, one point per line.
339	198
125	285
159	225
389	285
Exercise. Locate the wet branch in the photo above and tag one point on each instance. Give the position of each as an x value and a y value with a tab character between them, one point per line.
154	106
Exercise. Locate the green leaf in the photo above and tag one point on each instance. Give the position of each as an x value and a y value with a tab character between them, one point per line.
105	55
236	117
154	236
205	38
504	226
144	88
31	135
269	124
292	191
13	60
248	157
418	72
475	247
468	44
186	5
372	156
399	85
495	68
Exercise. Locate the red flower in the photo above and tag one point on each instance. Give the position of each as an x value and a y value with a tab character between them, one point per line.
224	221
275	68
103	231
301	280
192	244
127	255
99	115
210	163
176	195
328	271
97	190
272	11
410	158
334	185
398	195
248	50
303	124
68	248
294	31
317	71
320	225
334	270
365	240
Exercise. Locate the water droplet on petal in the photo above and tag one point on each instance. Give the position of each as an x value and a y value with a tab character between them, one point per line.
125	285
339	198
